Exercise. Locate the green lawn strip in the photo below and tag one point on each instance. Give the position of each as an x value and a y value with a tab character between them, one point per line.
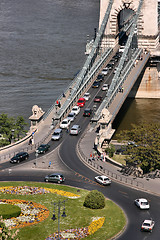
119	158
77	215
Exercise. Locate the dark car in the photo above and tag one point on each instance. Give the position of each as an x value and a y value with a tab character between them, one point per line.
87	112
54	177
98	99
43	148
19	157
100	77
96	84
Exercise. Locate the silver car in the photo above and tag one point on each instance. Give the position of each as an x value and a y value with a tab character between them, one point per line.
75	130
54	177
57	134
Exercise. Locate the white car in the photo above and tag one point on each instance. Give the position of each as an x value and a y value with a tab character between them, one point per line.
75	109
57	134
104	71
75	130
105	87
148	225
71	116
65	123
142	203
87	96
103	180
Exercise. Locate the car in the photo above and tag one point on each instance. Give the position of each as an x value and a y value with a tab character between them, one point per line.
121	49
109	66
75	130
76	110
96	84
55	177
87	96
81	102
57	134
142	203
98	99
87	112
43	148
19	157
65	123
103	180
71	116
100	77
147	225
121	151
105	87
104	71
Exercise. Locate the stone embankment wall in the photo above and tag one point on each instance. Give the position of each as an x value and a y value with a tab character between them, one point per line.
148	86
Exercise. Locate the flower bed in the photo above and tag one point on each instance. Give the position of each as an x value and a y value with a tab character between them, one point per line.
31	213
26	190
79	233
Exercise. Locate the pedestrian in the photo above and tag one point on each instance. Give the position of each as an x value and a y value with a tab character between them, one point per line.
30	141
59	104
49	164
64	95
122	89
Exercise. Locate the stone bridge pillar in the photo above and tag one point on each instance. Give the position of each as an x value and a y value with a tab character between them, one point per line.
147	25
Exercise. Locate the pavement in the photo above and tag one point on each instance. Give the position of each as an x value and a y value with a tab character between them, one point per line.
86	152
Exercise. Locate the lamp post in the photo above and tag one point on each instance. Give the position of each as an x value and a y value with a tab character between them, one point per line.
59	204
98	137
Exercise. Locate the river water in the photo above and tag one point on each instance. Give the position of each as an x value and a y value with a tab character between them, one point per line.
42	45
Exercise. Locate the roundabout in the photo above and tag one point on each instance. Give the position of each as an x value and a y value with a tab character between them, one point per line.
36	211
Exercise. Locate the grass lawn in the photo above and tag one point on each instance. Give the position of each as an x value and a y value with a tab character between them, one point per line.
77	215
119	158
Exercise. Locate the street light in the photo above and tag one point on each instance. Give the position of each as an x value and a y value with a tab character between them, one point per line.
59	204
98	137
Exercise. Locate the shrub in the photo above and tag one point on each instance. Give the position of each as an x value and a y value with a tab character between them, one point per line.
8	211
94	200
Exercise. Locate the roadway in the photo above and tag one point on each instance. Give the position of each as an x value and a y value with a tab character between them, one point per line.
64	158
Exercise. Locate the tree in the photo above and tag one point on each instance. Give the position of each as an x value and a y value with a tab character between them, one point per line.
6	126
11	128
143	149
110	150
19	126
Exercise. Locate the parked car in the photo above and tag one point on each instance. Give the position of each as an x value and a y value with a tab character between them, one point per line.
43	148
87	96
98	99
57	134
81	102
19	157
120	151
148	225
100	77
103	180
71	116
75	109
104	71
65	123
54	177
87	112
142	203
75	130
96	84
105	87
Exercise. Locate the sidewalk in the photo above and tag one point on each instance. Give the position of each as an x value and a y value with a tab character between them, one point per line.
85	149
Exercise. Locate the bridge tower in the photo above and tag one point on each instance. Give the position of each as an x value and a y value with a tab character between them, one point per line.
122	11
